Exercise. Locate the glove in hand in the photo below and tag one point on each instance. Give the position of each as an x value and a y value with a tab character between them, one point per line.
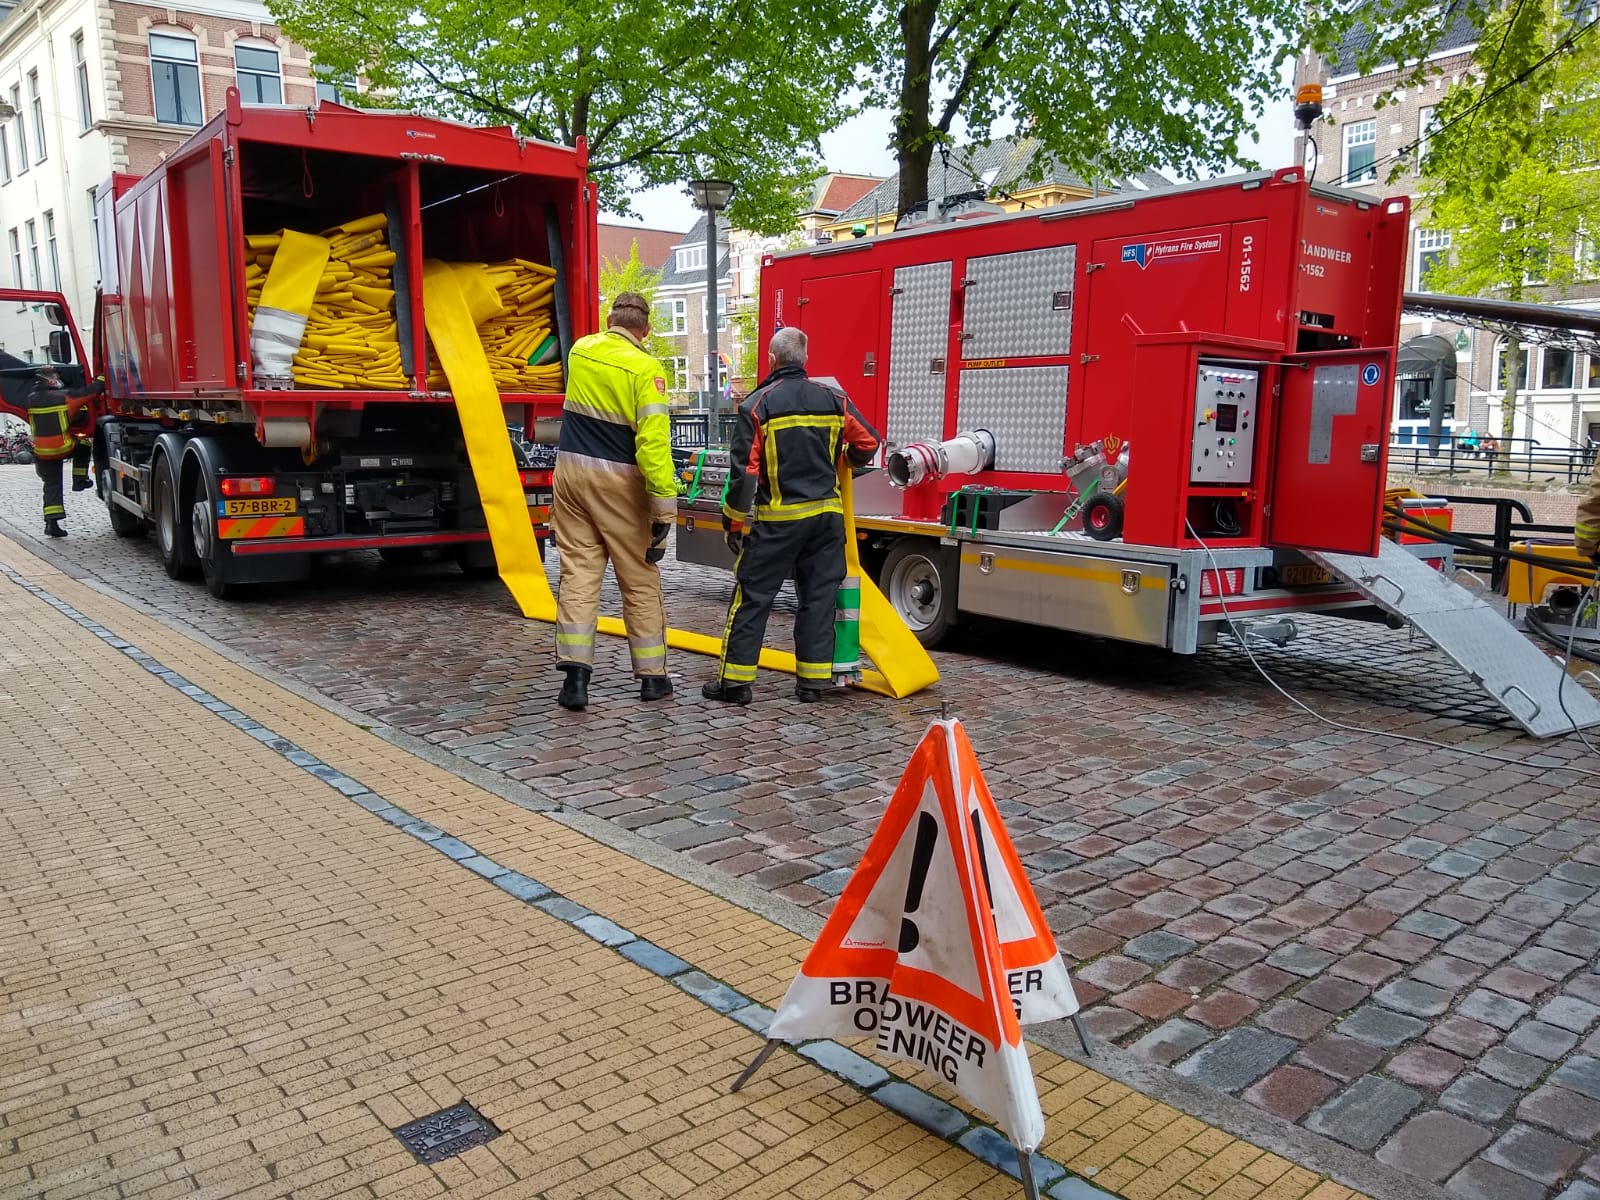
658	542
735	541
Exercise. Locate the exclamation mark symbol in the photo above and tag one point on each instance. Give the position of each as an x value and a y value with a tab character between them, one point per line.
921	859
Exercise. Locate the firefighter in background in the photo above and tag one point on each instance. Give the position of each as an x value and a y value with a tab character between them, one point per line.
785	459
62	426
1586	530
616	492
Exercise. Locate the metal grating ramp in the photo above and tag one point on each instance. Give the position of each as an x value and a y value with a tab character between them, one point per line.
1516	673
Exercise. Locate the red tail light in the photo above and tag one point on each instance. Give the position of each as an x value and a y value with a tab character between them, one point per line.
247	485
534	479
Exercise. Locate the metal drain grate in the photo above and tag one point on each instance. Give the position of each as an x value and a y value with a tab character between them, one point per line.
445	1134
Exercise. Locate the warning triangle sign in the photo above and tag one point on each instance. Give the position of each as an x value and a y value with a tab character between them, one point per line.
937	946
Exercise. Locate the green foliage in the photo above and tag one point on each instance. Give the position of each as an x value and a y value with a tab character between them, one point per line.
663	93
1110	88
634	276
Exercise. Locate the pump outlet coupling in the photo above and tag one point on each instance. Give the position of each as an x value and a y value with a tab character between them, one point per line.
964	454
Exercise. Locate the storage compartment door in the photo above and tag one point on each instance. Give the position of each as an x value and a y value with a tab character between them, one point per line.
919	345
839	313
203	354
1331	461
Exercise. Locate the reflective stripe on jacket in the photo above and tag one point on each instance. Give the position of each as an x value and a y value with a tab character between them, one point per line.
51	437
786	445
615	413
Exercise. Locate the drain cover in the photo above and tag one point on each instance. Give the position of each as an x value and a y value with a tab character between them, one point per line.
445	1134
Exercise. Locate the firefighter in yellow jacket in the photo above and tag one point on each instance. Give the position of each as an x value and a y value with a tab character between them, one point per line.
61	425
616	492
1586	530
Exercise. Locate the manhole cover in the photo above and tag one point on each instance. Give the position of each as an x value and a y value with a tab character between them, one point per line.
445	1134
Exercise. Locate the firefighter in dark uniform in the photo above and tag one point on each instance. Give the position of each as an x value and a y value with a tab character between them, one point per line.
62	427
784	459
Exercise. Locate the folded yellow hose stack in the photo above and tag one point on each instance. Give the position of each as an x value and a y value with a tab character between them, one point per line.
351	338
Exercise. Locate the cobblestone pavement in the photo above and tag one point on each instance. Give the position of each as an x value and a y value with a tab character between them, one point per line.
1392	945
248	943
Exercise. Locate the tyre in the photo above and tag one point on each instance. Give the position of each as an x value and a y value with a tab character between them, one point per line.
477	561
123	522
208	548
1102	516
173	538
919	580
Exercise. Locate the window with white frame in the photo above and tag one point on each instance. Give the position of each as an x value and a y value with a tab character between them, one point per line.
1360	151
5	158
94	228
722	312
1500	367
692	257
1557	369
175	79
672	316
1427	123
33	254
1592	378
21	126
336	90
259	74
722	371
1587	254
16	257
80	71
1433	246
36	107
50	246
680	373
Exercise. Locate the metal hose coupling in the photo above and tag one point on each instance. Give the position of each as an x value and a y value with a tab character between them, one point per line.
965	454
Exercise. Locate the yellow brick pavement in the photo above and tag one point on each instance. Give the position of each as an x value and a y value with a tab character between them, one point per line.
223	977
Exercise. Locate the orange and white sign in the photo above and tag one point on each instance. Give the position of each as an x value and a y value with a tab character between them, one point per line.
937	946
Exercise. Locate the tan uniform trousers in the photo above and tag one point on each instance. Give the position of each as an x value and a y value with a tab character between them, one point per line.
598	515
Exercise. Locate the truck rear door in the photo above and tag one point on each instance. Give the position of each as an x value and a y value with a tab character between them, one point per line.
839	314
1331	461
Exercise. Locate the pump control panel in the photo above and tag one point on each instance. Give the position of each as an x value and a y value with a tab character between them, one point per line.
1224	446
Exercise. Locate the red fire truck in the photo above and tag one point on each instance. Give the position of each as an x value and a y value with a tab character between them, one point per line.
1131	417
245	477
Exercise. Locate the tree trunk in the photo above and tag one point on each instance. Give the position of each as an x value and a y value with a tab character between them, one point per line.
1508	406
913	124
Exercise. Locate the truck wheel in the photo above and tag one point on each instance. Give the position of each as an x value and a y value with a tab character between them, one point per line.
1102	517
477	561
207	545
172	533
919	581
123	522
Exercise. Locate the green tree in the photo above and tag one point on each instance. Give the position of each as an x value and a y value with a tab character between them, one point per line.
1110	88
662	93
634	276
1513	169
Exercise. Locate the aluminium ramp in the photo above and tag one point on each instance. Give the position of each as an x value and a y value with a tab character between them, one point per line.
1520	677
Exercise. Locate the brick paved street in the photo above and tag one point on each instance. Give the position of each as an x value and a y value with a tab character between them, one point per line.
247	943
1392	946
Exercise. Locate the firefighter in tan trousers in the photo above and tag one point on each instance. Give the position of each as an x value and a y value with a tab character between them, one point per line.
616	492
1586	530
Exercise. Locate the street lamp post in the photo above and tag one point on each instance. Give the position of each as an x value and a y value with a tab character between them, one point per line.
712	195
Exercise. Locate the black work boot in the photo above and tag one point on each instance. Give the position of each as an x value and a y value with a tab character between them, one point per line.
575	691
810	693
52	527
728	693
654	687
81	484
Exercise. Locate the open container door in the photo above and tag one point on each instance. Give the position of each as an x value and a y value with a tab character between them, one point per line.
1332	449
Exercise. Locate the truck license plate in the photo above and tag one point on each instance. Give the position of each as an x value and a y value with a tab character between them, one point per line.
266	506
1305	576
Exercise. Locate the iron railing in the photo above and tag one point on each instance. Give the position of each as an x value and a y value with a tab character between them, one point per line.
1521	458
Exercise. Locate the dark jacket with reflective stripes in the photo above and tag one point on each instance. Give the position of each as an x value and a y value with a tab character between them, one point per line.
786	445
51	413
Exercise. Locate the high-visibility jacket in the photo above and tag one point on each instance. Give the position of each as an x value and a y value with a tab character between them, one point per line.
786	445
1586	530
50	422
615	416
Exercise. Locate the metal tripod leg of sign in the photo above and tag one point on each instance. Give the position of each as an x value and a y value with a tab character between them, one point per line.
755	1064
1083	1035
1025	1166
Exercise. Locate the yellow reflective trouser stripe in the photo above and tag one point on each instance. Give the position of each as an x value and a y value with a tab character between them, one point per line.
799	510
810	670
647	650
54	510
1584	529
737	673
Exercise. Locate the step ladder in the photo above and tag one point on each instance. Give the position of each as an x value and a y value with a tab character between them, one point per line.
1521	678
